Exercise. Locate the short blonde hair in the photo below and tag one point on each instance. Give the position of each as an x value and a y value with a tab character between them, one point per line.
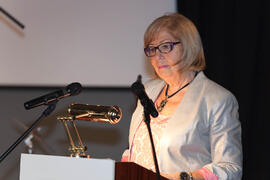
182	29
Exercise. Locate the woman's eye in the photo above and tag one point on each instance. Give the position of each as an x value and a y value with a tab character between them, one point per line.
165	46
152	49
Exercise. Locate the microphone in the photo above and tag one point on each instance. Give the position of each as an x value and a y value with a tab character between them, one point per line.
96	113
138	89
71	90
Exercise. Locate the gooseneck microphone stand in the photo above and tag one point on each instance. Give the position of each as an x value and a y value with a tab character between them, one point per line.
47	112
149	109
12	18
147	122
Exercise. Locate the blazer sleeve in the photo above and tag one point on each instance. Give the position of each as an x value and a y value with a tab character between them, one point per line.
225	139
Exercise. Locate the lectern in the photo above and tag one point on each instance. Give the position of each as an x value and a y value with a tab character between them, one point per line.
46	167
133	171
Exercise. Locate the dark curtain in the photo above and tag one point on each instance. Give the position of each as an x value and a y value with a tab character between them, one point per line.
236	38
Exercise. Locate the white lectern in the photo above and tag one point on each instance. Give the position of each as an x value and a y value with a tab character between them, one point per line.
44	167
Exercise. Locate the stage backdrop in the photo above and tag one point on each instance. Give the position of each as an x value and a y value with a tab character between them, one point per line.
97	42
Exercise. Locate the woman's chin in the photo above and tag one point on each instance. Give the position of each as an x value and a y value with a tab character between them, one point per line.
164	74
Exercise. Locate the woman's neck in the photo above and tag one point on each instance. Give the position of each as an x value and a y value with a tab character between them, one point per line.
179	80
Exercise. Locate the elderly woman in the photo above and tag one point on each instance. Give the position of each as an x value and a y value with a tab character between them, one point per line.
197	134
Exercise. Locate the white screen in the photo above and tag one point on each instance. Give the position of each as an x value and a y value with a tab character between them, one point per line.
94	42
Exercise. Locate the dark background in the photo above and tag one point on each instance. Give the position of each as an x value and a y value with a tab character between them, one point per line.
236	38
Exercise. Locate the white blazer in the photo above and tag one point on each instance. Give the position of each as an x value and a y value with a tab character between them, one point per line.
204	131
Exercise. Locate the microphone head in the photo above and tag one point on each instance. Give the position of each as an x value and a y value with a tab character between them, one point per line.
74	88
139	78
137	88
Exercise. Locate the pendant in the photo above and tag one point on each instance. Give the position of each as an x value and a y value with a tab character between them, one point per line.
162	104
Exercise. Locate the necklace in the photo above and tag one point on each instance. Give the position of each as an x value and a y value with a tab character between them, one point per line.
164	101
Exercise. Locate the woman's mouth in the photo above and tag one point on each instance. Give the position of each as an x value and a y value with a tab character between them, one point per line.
163	66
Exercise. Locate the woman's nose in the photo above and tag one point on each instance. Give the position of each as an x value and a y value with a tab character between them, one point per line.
159	55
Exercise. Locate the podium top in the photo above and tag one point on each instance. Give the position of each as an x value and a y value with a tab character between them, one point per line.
44	167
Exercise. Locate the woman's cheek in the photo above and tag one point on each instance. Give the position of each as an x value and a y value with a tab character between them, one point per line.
154	64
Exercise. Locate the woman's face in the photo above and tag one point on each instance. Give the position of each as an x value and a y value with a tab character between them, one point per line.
166	64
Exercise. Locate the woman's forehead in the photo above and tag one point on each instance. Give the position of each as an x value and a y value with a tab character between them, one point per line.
161	36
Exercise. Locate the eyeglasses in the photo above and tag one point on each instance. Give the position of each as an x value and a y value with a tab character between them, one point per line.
163	48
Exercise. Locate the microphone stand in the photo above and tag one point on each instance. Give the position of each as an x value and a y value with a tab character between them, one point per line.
47	112
147	121
11	17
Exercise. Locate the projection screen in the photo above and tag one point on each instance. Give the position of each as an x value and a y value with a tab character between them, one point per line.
95	42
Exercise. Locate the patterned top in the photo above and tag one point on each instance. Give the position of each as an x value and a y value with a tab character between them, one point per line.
141	150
